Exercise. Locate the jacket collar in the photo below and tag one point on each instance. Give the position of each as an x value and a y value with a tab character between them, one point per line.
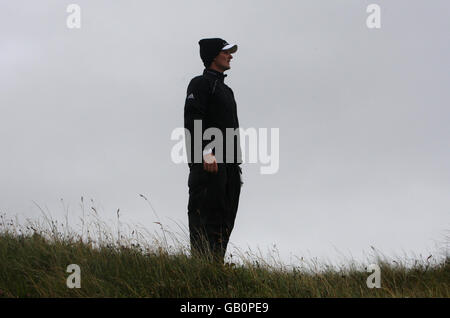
214	74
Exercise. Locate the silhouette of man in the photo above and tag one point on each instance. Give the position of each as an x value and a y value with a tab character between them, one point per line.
215	176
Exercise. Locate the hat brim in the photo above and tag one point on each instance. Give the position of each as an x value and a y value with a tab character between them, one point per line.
230	47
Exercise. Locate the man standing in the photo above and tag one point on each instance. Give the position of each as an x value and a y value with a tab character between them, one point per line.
215	175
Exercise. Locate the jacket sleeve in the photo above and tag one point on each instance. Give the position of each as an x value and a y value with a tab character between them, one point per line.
195	108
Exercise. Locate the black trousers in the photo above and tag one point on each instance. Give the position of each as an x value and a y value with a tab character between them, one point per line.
212	208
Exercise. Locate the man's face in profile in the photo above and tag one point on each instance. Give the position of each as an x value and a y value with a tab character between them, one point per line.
222	61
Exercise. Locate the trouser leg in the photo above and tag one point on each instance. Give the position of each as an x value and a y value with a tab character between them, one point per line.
198	187
232	194
212	208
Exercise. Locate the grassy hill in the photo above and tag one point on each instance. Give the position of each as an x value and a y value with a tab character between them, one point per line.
34	266
34	258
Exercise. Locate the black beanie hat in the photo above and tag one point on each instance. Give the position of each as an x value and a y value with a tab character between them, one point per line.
210	48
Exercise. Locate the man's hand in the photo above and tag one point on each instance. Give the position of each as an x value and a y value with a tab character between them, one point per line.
210	163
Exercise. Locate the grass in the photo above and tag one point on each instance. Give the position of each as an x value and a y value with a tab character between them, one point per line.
34	258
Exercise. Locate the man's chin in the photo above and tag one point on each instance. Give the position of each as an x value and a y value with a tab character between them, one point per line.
224	68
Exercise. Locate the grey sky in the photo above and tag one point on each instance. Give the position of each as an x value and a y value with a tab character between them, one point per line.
363	115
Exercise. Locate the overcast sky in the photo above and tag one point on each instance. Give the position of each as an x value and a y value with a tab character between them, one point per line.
363	116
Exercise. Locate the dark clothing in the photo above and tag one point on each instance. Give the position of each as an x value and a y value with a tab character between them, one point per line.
212	208
213	197
209	99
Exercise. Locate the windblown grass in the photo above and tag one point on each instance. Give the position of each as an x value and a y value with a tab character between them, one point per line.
132	263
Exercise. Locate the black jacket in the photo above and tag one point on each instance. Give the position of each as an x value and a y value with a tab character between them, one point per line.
209	99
